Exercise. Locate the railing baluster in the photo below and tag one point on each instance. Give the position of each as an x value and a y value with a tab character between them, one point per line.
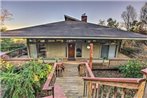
115	93
97	90
102	91
89	89
85	89
123	93
108	93
93	90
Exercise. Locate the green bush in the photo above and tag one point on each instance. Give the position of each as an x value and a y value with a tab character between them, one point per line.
8	44
131	69
25	82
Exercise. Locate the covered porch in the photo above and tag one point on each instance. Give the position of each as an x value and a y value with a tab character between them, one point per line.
73	49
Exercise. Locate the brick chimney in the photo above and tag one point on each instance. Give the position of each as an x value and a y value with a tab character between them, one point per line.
84	17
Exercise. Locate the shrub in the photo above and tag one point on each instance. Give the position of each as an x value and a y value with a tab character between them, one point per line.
131	69
8	44
25	82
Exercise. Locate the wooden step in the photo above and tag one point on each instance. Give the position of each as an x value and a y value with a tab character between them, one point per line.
58	92
71	83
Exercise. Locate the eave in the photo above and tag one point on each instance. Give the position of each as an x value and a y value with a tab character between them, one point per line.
64	37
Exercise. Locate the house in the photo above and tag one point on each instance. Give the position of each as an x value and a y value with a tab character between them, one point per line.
70	39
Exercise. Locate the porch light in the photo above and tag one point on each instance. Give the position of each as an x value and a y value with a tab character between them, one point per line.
88	47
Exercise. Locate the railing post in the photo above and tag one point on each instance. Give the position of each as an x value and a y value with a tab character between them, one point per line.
85	89
91	55
89	89
144	71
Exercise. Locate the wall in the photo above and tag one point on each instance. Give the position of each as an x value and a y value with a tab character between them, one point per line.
56	50
32	50
96	50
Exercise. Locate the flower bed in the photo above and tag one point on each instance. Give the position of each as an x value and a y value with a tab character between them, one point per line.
24	81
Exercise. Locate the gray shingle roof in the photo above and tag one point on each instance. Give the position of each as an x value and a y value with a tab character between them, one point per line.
72	29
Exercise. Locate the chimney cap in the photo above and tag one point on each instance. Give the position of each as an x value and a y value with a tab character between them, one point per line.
84	14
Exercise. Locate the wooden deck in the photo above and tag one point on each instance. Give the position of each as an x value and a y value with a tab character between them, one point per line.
74	86
71	83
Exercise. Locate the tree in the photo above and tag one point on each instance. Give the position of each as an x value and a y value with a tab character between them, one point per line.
129	16
143	19
5	15
143	14
112	23
137	26
102	22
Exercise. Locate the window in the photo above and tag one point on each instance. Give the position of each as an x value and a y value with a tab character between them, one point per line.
79	50
108	51
104	51
41	50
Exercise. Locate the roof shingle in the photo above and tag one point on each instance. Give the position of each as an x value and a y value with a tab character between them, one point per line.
73	29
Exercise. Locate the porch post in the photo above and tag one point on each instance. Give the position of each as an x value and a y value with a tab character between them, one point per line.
144	71
28	48
91	55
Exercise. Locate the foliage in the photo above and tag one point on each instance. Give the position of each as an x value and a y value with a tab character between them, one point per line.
3	29
143	14
131	69
112	23
8	44
138	27
129	16
130	50
5	15
102	22
26	81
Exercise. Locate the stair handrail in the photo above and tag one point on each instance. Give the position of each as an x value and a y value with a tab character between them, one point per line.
48	86
89	71
49	79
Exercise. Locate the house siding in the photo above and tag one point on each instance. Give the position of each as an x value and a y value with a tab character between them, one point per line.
96	50
56	50
59	50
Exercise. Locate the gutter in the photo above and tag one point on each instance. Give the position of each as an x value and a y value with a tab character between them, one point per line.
94	38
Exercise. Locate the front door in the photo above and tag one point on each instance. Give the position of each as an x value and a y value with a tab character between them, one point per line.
71	51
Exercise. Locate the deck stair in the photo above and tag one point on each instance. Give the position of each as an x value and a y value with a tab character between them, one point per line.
71	83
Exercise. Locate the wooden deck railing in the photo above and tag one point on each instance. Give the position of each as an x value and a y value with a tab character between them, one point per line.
114	87
15	53
85	70
118	61
48	86
19	61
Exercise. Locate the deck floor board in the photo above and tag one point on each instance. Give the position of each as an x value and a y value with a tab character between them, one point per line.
71	83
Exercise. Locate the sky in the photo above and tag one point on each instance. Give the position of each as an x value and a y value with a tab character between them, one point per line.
30	13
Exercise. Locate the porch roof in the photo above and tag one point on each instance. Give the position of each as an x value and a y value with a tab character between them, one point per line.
72	30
